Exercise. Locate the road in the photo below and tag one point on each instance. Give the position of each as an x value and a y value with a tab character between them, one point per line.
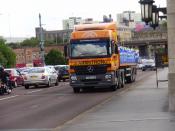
47	108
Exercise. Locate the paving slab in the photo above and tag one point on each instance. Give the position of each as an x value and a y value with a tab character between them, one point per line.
143	107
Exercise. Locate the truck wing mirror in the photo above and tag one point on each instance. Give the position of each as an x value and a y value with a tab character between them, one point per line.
116	49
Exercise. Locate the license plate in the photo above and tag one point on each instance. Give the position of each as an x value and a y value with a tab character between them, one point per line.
66	76
90	77
33	76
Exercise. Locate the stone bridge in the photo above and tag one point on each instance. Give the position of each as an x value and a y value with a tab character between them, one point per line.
148	42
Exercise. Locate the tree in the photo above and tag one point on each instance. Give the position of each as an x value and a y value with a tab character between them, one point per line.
2	41
55	57
30	42
7	56
3	60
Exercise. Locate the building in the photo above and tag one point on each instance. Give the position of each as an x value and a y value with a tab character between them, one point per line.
54	35
129	18
124	33
88	21
69	24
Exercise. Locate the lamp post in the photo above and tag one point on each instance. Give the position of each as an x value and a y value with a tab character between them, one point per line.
41	45
150	12
146	10
171	46
155	17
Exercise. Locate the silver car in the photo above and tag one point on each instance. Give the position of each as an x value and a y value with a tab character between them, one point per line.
40	76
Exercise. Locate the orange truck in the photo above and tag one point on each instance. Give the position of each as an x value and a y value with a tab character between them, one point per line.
96	59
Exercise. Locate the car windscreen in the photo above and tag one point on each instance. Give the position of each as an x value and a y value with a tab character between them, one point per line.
8	71
37	70
64	67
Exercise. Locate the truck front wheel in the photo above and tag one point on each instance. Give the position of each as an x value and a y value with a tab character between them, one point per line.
76	90
114	87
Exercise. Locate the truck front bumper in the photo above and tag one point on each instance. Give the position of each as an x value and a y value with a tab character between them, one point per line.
101	80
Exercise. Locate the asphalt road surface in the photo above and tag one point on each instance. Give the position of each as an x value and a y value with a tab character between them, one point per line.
44	109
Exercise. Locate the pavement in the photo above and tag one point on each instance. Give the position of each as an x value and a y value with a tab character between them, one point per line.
141	107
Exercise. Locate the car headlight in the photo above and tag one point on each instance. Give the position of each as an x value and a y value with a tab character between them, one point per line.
73	78
153	64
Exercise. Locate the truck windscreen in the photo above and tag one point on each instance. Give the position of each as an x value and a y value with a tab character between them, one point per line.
90	48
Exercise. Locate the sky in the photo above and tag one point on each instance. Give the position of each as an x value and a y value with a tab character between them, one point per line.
18	18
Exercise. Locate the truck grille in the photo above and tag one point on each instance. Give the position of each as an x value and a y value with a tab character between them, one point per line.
90	70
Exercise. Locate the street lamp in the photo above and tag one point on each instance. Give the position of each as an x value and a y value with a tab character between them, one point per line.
155	17
150	13
146	10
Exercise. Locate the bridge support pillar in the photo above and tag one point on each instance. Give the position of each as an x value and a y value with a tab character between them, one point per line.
171	53
149	51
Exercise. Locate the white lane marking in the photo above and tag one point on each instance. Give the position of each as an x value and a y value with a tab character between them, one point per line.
44	129
9	97
34	91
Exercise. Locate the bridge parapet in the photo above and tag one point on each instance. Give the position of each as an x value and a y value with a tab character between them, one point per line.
149	35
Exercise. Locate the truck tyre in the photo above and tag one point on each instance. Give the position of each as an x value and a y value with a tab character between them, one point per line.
76	90
134	75
114	87
123	80
129	78
120	80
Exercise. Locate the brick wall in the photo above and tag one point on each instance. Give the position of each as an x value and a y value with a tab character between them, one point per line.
27	55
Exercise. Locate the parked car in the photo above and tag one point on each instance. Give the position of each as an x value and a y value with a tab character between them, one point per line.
40	76
15	77
63	72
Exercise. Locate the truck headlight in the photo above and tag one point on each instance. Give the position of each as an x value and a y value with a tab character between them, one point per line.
108	76
73	78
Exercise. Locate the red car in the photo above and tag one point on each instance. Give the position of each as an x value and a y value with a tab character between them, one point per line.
15	77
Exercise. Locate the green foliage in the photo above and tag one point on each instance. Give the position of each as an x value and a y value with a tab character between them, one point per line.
163	24
2	41
34	42
55	57
49	42
30	42
7	56
14	45
3	60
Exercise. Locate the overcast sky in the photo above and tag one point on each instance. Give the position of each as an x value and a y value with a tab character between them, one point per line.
18	18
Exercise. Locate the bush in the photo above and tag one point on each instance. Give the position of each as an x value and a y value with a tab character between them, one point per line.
55	57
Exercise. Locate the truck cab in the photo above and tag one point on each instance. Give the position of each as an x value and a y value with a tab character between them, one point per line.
94	58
